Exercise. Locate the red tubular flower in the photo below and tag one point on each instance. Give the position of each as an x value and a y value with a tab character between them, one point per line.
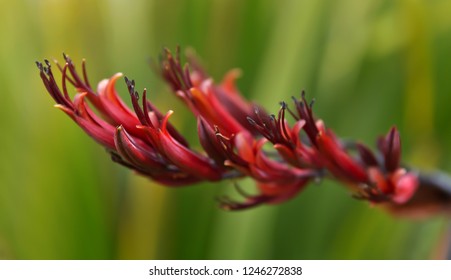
218	105
239	138
276	181
142	140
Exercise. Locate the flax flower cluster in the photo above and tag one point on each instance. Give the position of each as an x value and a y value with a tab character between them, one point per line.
283	153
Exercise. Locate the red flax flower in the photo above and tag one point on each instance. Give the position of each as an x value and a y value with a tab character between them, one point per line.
238	139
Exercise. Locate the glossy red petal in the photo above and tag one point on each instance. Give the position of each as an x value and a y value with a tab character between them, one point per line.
232	100
378	179
342	162
281	193
115	109
99	134
174	179
213	110
278	171
186	159
209	141
287	154
137	152
295	131
244	147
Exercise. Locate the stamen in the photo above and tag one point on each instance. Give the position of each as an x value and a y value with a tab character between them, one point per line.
85	73
145	107
135	98
63	82
39	65
283	104
311	103
240	190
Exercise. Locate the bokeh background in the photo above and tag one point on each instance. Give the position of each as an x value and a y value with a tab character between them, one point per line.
369	64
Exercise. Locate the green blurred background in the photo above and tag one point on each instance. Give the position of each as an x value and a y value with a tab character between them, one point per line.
369	64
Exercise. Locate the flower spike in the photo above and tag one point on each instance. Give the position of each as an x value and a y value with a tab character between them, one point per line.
282	152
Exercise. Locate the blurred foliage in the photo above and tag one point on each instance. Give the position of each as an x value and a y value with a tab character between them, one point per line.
369	64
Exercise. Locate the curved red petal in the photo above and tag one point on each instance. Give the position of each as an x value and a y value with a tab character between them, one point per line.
115	109
209	141
281	193
186	159
99	134
139	154
343	163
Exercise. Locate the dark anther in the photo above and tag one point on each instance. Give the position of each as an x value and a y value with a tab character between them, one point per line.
312	102
130	84
283	104
39	64
47	62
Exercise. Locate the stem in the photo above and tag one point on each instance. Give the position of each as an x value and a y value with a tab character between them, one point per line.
432	197
436	179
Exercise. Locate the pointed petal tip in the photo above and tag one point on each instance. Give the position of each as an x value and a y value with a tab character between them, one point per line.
63	108
117	75
392	149
164	123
